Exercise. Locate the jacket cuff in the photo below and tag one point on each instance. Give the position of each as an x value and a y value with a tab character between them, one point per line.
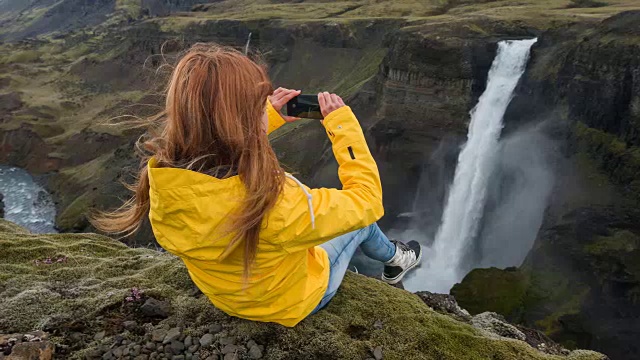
275	119
341	125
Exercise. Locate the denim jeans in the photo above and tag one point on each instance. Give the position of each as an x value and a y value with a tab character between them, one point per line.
373	243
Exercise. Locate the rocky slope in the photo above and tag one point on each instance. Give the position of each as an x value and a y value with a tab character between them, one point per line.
90	297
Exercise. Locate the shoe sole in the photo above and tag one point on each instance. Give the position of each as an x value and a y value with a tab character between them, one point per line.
397	279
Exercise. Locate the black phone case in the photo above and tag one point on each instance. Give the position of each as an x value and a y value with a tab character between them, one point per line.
304	106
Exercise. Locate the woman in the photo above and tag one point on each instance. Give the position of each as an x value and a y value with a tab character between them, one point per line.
255	240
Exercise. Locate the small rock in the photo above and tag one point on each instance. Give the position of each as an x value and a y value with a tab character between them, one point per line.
227	340
228	349
169	350
93	354
444	304
160	348
150	345
108	355
188	341
188	356
377	353
158	335
76	337
193	348
497	325
153	355
142	357
250	343
172	335
378	325
177	346
233	356
255	352
155	308
206	340
117	352
129	325
137	349
215	328
213	357
99	336
177	357
42	350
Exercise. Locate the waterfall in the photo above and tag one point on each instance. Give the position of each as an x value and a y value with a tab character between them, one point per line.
465	204
26	203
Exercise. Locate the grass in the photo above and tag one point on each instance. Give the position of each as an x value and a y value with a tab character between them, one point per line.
24	56
131	8
542	13
98	274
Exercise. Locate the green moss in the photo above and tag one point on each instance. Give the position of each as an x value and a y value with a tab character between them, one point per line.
614	156
99	273
500	291
560	296
361	72
74	216
131	8
22	56
619	241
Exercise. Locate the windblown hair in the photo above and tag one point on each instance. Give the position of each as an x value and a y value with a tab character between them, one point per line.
212	123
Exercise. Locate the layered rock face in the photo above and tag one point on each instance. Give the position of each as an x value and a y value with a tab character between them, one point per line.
580	281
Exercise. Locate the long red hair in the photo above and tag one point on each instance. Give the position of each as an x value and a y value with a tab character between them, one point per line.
212	123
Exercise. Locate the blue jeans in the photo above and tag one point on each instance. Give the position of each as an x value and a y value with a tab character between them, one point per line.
373	243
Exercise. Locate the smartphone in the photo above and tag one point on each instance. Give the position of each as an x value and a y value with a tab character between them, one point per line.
304	106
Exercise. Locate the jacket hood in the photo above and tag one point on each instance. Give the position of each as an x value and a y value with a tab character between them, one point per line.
181	203
199	205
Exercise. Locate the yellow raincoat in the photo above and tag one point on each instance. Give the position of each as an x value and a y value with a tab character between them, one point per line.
291	273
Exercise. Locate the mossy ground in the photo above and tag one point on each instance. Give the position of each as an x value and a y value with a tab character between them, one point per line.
618	159
500	291
98	273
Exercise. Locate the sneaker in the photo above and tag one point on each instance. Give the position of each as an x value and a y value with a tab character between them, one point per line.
406	258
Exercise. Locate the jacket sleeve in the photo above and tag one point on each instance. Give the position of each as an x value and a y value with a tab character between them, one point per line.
275	119
335	212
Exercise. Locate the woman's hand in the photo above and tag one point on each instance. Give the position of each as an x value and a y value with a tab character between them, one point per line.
329	103
280	98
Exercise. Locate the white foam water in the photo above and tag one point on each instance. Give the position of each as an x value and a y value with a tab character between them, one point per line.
25	202
466	200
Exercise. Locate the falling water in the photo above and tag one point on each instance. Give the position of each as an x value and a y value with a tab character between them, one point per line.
467	196
25	202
